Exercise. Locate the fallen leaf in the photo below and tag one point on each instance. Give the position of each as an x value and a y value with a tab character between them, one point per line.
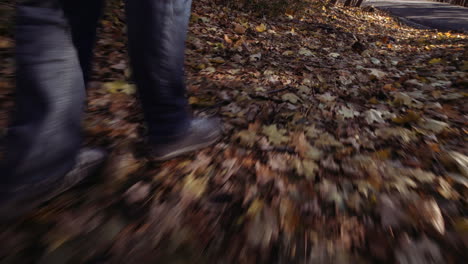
239	29
305	52
279	162
261	28
218	60
327	140
304	148
373	115
120	87
428	212
348	112
375	61
263	173
193	188
208	70
306	168
435	61
227	39
275	135
326	97
433	125
460	160
409	117
396	132
290	97
378	74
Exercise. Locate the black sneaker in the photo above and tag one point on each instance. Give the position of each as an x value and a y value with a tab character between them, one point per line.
23	199
202	133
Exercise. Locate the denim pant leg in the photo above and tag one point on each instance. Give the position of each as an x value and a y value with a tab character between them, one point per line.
83	17
157	32
44	138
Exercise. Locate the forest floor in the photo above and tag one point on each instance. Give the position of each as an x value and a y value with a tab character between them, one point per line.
344	142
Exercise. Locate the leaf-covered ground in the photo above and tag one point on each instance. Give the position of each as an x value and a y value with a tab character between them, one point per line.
344	142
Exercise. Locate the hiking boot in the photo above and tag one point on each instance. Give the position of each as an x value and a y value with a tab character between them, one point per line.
201	133
24	198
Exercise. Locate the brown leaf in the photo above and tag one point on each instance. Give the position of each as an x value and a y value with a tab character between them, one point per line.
428	213
264	174
239	29
304	148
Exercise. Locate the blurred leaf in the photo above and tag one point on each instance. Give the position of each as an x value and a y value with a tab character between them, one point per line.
193	188
275	135
306	168
239	29
373	115
246	137
433	125
348	112
120	87
290	97
305	52
304	148
396	132
261	28
409	117
435	61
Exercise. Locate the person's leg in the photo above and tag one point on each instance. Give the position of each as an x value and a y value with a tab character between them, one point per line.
157	31
45	136
83	17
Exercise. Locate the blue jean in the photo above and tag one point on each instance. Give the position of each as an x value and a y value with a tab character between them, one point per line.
54	40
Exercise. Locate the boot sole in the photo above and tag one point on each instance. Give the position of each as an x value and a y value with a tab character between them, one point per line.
186	150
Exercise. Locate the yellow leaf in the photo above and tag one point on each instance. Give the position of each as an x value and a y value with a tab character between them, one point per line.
193	187
435	60
200	66
409	117
193	100
373	100
261	28
120	87
218	60
255	207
